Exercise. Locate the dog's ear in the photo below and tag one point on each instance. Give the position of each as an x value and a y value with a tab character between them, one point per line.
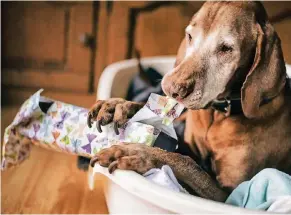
181	53
267	75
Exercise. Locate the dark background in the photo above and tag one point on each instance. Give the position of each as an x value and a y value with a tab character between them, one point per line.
63	47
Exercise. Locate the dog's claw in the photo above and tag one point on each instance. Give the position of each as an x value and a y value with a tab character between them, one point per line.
93	161
98	126
89	120
112	167
116	128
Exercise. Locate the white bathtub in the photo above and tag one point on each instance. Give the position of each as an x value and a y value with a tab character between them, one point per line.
126	191
129	193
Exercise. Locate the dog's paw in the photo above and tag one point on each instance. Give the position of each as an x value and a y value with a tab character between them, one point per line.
115	110
126	156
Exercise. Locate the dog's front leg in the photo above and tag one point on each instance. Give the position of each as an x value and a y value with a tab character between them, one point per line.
141	158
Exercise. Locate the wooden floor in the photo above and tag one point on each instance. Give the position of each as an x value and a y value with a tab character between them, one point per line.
48	182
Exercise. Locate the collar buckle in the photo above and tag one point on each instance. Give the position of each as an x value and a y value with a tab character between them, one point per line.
223	105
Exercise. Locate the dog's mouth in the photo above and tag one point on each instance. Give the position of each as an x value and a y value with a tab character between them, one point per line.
192	99
195	98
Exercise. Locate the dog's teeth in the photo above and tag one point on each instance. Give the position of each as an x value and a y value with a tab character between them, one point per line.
196	95
198	92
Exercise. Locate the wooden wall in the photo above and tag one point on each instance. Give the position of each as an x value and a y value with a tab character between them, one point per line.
63	47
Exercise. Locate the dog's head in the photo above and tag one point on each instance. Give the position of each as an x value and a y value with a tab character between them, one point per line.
227	44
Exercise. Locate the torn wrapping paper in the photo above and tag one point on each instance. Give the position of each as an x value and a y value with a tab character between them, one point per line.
63	127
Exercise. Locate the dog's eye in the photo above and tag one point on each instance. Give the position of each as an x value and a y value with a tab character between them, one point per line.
189	37
225	48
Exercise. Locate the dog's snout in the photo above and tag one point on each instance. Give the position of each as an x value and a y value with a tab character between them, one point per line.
180	82
179	91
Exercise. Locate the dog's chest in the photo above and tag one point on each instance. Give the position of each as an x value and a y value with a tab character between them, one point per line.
223	142
214	131
238	148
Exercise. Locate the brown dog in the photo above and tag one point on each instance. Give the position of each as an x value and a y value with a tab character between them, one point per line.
230	51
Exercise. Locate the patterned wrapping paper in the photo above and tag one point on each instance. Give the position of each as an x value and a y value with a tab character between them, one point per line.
63	127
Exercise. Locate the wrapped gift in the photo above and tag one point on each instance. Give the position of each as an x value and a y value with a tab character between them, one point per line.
63	127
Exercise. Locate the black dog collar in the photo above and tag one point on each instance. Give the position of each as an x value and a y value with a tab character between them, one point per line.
233	106
228	106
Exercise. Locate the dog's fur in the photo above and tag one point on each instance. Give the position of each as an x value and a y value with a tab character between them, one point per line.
230	49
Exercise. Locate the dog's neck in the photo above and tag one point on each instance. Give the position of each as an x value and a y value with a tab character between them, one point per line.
232	106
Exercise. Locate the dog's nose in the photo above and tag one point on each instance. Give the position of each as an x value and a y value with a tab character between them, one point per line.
181	92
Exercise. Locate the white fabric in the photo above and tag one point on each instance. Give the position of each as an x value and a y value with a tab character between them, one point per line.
282	204
164	177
